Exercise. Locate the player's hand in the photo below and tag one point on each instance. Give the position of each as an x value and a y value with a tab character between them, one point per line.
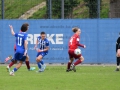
39	50
118	53
84	46
25	53
11	27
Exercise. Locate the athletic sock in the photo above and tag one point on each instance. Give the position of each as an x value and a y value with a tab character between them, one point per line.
39	65
77	62
69	64
27	64
42	62
14	70
11	64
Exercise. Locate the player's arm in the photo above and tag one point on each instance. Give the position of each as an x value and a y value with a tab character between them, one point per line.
25	45
80	45
46	49
11	29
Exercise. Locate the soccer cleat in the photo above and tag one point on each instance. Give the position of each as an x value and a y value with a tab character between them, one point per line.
8	69
12	74
43	68
32	68
117	69
68	70
73	68
8	58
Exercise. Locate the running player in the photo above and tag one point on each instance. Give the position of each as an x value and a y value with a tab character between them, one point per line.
118	52
21	46
42	50
13	62
73	44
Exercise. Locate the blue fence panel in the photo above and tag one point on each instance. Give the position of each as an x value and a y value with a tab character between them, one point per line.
99	35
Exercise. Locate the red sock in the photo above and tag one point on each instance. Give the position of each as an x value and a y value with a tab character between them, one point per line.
69	64
77	62
11	64
27	64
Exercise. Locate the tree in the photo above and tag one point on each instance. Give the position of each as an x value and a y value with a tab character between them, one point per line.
68	8
93	8
114	9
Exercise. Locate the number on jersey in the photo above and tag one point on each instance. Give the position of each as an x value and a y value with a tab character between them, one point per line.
19	41
71	40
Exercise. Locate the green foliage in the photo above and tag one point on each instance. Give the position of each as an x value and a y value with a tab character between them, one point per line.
15	8
68	7
55	78
92	5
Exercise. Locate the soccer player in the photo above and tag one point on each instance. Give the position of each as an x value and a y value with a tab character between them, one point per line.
73	44
118	52
13	62
21	46
42	50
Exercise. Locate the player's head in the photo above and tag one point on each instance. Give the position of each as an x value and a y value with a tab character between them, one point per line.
24	27
76	30
43	35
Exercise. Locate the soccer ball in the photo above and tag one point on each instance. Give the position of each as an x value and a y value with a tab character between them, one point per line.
77	51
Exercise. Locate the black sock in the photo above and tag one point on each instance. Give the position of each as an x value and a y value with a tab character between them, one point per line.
118	61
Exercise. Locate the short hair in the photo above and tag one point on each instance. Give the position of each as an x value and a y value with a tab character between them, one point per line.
24	27
42	33
75	29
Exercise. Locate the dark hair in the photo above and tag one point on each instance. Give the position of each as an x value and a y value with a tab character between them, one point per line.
42	33
24	27
75	29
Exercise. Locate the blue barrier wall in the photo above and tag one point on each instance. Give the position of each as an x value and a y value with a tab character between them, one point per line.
99	35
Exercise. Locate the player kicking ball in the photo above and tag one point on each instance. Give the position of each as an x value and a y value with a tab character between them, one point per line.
21	46
13	62
42	50
73	45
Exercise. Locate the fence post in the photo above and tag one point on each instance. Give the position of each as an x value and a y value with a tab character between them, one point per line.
50	8
98	7
2	7
62	9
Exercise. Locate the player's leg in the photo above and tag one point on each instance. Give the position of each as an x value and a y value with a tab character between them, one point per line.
69	64
118	63
11	64
38	59
40	62
70	60
27	62
80	60
21	58
16	68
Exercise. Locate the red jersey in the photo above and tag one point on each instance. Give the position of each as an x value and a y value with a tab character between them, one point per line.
74	42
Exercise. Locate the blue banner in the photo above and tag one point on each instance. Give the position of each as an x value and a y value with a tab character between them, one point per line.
99	36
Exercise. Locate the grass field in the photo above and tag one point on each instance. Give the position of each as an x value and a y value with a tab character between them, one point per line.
55	78
15	8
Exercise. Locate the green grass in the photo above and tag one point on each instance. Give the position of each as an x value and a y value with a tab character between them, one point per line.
15	8
55	78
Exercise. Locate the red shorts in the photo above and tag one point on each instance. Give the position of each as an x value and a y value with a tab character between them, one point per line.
73	55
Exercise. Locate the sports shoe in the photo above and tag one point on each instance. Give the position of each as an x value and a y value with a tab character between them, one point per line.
43	68
12	73
68	70
39	71
8	69
32	68
117	69
8	58
73	68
